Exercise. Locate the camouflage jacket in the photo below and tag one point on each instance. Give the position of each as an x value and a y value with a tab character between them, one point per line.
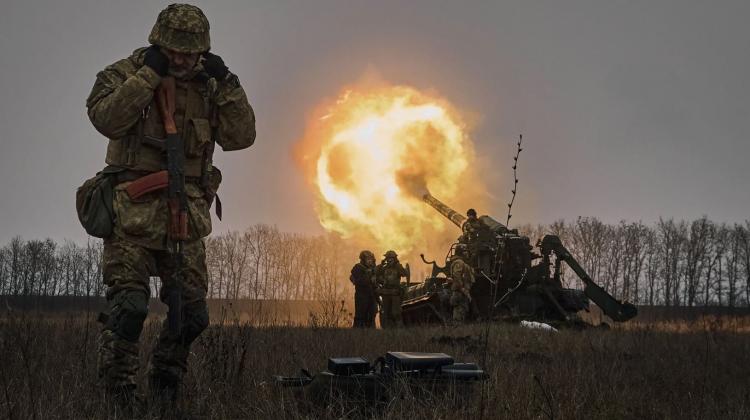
121	106
462	276
472	225
389	275
362	277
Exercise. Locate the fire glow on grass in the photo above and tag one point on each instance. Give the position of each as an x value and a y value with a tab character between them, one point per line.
372	153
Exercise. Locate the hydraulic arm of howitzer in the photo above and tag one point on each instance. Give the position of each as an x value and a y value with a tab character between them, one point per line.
436	269
618	311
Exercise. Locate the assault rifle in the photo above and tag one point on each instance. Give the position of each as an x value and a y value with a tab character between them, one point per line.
177	231
173	179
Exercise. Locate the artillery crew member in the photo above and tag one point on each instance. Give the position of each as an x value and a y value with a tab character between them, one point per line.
209	106
462	278
389	274
471	226
365	300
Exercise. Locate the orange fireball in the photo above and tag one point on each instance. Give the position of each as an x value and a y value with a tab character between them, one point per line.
372	153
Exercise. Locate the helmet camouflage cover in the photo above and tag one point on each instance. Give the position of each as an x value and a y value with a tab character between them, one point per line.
390	254
182	28
366	254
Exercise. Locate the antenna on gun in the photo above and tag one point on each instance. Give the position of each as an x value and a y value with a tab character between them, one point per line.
515	179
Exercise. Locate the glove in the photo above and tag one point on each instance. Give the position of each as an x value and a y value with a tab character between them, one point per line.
214	66
156	60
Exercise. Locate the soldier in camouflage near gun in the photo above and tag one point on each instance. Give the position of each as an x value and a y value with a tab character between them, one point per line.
365	299
210	107
388	277
384	283
378	286
462	278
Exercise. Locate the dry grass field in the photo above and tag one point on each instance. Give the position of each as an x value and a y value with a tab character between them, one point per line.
679	370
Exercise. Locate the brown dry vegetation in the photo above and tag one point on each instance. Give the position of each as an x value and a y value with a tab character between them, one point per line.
643	371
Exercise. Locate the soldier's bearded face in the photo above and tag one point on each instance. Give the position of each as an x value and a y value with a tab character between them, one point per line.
180	64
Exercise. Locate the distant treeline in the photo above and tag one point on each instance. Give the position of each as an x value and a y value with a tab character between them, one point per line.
672	263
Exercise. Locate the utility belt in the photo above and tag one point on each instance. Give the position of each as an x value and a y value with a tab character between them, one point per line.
127	175
142	183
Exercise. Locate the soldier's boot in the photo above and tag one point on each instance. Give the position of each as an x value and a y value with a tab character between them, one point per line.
126	402
169	359
167	367
118	365
164	388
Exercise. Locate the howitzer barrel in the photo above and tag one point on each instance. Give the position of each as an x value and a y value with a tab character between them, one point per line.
457	218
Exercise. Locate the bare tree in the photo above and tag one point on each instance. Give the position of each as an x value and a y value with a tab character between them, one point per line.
636	247
671	245
697	248
671	263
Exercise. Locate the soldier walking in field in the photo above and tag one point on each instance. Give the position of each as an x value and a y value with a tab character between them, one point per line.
389	274
462	278
365	300
208	106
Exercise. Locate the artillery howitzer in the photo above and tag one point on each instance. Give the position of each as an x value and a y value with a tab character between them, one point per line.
507	284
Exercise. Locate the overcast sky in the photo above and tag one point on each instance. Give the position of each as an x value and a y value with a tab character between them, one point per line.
629	109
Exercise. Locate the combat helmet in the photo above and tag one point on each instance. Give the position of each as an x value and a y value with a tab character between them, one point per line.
364	255
390	254
471	212
182	28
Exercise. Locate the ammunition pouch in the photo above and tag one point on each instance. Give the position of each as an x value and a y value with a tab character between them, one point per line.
94	203
199	224
197	137
210	181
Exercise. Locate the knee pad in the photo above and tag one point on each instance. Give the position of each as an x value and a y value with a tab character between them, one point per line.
195	321
129	309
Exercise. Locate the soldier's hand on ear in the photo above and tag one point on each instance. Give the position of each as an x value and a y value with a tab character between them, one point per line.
215	66
156	59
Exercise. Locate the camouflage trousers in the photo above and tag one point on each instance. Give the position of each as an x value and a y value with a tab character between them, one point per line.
460	304
390	311
127	268
365	308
